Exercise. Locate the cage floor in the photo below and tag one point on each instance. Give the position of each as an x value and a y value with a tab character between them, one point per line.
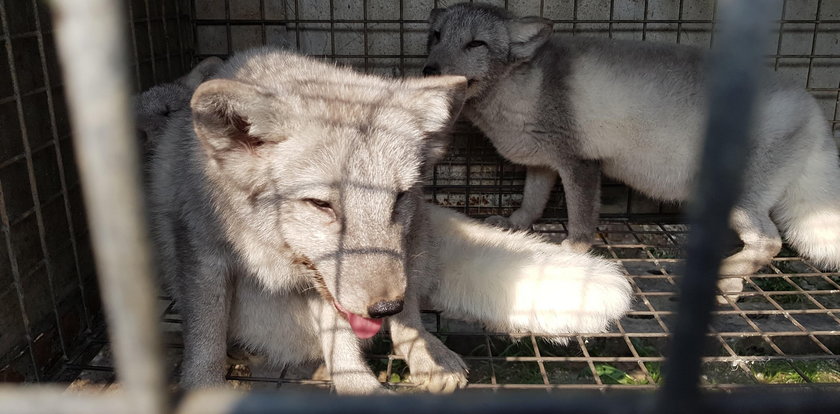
784	331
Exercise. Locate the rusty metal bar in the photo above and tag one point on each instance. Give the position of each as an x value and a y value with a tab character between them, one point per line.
721	403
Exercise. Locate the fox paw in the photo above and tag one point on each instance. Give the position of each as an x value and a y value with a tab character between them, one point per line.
575	246
731	287
435	368
358	385
499	221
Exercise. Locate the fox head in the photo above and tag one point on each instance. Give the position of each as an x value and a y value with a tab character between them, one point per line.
327	163
480	42
155	107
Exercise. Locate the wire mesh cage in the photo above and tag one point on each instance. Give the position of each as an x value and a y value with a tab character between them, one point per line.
49	291
784	331
390	37
47	283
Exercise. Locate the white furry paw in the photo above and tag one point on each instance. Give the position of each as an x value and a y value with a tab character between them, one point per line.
575	246
382	391
499	221
435	368
731	287
356	385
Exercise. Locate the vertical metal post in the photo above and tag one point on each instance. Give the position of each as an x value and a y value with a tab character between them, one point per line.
735	68
92	48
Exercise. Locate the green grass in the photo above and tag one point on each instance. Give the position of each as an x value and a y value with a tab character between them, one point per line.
528	373
772	372
665	252
782	372
778	284
611	375
644	347
513	372
518	373
773	284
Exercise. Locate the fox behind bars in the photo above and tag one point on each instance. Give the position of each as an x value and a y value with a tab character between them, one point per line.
635	110
157	106
288	219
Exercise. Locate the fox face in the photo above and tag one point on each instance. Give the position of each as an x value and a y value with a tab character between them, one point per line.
480	42
155	107
329	168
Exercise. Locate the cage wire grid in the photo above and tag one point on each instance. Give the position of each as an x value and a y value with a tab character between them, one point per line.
391	41
48	287
788	316
782	333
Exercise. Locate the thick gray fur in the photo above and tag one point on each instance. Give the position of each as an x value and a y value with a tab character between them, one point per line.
155	106
291	186
578	106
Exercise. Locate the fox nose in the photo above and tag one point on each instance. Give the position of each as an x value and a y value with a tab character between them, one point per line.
385	308
431	70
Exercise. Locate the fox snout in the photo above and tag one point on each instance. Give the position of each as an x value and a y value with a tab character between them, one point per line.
372	284
385	308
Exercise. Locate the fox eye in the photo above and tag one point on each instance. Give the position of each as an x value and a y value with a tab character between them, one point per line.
476	43
319	204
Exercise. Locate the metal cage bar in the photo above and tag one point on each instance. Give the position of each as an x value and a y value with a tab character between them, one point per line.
733	78
91	47
33	186
59	157
497	198
142	376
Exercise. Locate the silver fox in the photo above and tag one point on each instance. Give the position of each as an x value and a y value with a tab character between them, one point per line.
578	106
156	106
288	219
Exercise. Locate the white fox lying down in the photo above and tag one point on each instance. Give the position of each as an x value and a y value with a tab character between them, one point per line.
288	219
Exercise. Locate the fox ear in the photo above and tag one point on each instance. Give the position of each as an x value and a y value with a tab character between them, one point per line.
204	70
437	101
435	14
230	115
527	34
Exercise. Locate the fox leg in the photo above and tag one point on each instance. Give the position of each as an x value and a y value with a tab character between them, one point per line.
761	243
538	184
433	366
344	355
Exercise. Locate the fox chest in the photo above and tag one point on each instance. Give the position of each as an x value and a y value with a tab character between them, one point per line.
509	119
279	325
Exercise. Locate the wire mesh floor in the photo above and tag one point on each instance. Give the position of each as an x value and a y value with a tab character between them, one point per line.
784	331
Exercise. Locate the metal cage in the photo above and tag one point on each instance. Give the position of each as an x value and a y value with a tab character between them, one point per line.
783	335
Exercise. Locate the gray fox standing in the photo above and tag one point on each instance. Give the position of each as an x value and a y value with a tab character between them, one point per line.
578	106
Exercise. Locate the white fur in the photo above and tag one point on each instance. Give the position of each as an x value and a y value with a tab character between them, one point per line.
515	282
809	212
633	113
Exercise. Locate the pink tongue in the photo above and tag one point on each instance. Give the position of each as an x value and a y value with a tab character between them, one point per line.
363	327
